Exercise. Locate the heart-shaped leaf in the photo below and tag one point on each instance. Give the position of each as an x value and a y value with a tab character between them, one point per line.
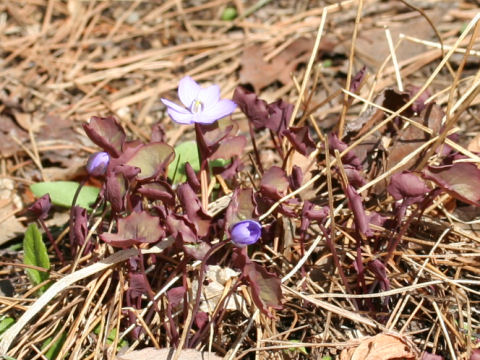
134	229
152	159
62	192
461	180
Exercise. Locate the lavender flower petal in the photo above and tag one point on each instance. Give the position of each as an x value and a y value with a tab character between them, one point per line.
181	118
178	113
188	91
209	96
219	110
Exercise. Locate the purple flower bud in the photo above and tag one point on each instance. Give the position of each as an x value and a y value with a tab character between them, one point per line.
246	232
97	163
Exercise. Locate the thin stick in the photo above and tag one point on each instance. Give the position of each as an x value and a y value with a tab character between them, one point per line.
394	58
310	65
350	69
444	329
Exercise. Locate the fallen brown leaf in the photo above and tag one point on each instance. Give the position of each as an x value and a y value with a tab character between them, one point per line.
259	73
381	347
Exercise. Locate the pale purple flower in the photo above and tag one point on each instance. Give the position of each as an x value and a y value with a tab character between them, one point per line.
97	163
202	105
246	232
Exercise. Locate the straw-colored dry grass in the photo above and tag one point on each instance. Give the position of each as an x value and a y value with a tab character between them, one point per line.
63	62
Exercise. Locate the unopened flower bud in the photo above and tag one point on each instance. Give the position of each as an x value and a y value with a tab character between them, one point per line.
246	232
97	163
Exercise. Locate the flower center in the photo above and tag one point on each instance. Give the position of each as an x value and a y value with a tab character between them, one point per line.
197	106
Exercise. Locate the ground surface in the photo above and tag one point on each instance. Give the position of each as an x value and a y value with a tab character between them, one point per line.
65	61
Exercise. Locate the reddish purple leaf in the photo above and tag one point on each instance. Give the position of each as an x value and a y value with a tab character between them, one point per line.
378	268
274	116
428	356
475	354
419	104
254	108
193	208
201	319
296	178
354	176
274	183
158	190
230	170
209	137
241	207
265	287
137	285
152	159
355	203
357	80
407	185
192	178
312	212
280	112
106	133
175	296
116	183
196	250
229	148
80	230
460	180
41	207
300	139
181	229
137	228
334	143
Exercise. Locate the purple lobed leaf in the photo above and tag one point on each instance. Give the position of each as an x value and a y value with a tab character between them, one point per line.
274	184
137	228
106	133
407	185
301	140
159	190
152	159
265	287
460	180
229	148
193	208
349	158
274	116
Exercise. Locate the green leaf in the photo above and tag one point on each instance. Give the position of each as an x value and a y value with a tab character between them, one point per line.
299	349
327	357
188	152
6	323
54	349
229	14
62	192
184	152
111	337
35	253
